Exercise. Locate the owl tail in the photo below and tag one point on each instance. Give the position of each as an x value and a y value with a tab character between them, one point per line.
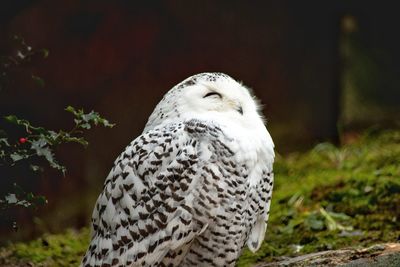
257	235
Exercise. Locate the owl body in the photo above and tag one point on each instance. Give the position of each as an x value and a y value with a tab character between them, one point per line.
194	188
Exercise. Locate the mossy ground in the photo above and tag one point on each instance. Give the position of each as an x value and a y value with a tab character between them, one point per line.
50	250
330	197
326	198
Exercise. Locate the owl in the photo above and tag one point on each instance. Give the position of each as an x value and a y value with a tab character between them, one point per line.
194	188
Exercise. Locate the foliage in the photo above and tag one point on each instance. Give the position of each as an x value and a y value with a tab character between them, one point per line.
327	198
40	142
37	144
10	65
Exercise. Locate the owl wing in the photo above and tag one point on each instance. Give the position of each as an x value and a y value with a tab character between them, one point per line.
145	209
262	195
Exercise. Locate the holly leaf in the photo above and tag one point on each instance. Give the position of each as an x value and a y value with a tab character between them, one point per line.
11	199
43	150
16	157
12	119
35	168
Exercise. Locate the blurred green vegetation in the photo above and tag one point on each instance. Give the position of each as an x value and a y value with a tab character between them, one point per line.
50	250
327	198
369	80
331	197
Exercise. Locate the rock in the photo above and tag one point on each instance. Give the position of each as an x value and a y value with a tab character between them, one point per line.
385	255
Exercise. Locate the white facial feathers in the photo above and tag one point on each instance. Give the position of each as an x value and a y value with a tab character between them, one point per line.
204	96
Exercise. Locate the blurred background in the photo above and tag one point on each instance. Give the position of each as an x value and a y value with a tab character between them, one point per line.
324	70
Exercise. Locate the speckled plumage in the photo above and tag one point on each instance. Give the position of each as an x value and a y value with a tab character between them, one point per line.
194	188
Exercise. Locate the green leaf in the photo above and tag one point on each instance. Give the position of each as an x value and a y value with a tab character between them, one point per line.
79	140
20	198
86	120
11	199
105	123
39	81
45	53
90	117
331	223
339	216
43	150
47	153
85	126
4	142
35	168
16	157
12	119
41	200
71	109
314	223
38	145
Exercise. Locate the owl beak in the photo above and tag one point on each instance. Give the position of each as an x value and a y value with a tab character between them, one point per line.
240	110
235	105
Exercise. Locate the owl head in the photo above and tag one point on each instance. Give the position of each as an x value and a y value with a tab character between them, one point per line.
208	96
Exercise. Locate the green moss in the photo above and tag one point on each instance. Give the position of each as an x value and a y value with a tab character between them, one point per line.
50	250
326	198
330	197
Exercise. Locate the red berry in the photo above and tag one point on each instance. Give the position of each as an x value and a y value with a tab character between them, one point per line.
23	140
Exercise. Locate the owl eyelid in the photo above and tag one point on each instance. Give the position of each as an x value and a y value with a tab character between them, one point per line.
212	94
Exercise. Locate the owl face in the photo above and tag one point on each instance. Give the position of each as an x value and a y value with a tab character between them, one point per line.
223	95
208	96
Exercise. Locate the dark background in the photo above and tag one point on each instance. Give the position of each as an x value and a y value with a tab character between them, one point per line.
322	69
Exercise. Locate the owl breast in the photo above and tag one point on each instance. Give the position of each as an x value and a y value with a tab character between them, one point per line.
227	204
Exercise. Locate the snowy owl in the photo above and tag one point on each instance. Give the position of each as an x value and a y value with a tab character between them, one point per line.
194	188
